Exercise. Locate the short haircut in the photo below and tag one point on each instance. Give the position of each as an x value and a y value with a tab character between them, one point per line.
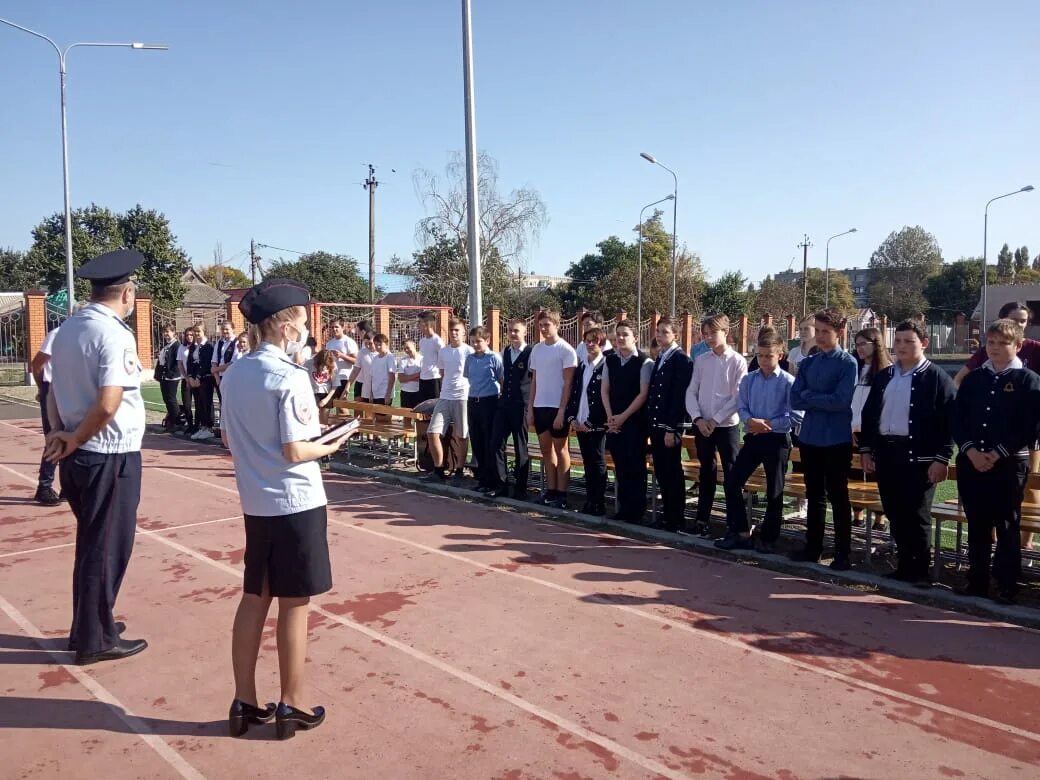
380	338
625	324
365	326
427	316
107	292
667	322
810	320
769	338
1009	329
518	321
454	322
1007	308
715	322
598	333
552	316
479	332
595	316
406	342
339	321
833	318
914	326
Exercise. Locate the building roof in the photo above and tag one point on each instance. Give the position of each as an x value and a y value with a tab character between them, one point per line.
11	301
399	299
197	294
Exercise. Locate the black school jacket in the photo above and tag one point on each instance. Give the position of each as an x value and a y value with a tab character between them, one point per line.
597	412
666	404
998	411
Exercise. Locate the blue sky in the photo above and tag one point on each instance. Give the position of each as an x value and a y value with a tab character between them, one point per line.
779	117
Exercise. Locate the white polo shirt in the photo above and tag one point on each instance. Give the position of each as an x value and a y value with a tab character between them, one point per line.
379	375
452	362
45	349
408	365
430	349
267	403
346	345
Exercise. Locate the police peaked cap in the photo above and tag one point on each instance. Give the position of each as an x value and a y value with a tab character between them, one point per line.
270	297
111	268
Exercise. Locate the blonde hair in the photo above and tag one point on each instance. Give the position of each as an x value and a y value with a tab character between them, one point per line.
1008	329
268	327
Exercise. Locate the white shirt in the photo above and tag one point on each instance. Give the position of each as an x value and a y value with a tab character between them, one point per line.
346	345
452	362
381	366
586	379
796	356
45	349
364	367
895	404
408	365
548	362
182	358
267	402
714	389
583	351
94	348
239	354
429	350
859	398
219	349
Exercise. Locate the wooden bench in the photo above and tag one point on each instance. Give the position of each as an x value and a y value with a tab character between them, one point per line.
395	424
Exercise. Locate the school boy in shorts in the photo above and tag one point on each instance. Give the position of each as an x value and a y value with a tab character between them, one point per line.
430	346
450	410
553	362
346	350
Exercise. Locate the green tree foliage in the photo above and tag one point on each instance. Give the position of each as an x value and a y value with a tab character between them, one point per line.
1022	258
225	277
782	298
17	273
1005	263
728	295
955	289
331	278
902	265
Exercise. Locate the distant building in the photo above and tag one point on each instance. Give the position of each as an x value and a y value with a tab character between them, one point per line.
543	281
859	281
999	294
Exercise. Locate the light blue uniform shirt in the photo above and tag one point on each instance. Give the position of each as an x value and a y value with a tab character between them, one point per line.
94	348
484	373
267	402
768	398
895	405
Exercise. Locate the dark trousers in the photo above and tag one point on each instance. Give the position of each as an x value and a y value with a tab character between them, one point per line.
410	398
203	396
827	478
359	390
594	460
906	497
186	396
340	390
511	420
992	500
770	451
725	441
103	492
669	474
481	414
46	478
628	449
169	396
429	388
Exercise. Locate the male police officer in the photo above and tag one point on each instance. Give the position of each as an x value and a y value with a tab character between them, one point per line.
97	416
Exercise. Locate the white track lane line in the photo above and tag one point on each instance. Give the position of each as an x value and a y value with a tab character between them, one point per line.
102	694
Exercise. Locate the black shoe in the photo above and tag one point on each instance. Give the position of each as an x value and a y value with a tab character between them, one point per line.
288	719
559	501
499	491
900	575
804	556
734	542
47	497
124	648
436	477
120	628
1006	596
242	714
971	589
768	548
840	563
519	493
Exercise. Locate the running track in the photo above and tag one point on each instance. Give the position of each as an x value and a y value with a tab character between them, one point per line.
463	641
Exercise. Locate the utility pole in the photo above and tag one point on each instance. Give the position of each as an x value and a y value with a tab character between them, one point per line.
254	259
370	184
806	243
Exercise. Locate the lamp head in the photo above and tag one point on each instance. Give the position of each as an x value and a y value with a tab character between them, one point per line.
150	46
1027	188
852	230
648	157
670	197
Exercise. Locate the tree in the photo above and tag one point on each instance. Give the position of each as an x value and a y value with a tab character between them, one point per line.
782	298
1021	258
17	273
331	278
727	295
1005	263
589	273
229	277
955	289
1036	262
901	265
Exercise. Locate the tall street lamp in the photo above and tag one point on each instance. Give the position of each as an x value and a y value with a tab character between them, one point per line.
675	216
985	274
639	283
69	280
827	268
472	214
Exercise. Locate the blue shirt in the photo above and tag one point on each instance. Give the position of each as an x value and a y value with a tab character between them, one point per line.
699	349
484	373
823	390
767	398
895	406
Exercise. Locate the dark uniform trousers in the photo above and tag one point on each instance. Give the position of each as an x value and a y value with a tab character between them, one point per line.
669	473
594	458
481	418
511	420
628	449
169	396
186	396
992	500
770	451
827	477
906	496
429	388
725	441
46	467
103	492
203	395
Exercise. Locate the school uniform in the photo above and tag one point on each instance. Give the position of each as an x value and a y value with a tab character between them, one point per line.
666	416
995	412
511	420
626	375
169	375
430	373
585	407
187	414
200	359
223	355
906	426
411	396
45	479
484	372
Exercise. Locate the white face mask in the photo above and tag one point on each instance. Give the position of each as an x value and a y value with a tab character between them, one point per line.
293	347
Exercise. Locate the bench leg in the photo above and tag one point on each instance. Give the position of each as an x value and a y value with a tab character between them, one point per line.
937	547
960	537
868	522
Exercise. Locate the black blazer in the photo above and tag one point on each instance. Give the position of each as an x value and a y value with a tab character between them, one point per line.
597	412
998	412
666	405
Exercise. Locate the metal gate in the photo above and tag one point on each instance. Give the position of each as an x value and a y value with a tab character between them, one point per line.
13	342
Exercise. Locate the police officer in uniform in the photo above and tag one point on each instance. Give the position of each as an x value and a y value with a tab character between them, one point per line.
97	418
511	414
270	420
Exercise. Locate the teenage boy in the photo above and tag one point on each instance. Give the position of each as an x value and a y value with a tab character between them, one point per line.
553	362
764	408
169	376
42	373
409	368
200	362
365	333
806	345
711	402
346	350
906	438
450	410
626	386
483	370
590	320
823	389
588	419
994	425
667	413
223	354
430	346
187	340
511	417
383	372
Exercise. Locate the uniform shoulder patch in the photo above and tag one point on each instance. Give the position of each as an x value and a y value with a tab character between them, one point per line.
303	409
130	362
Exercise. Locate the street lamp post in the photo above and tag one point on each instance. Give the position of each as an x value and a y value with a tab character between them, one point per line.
472	214
69	279
639	282
827	268
985	242
675	216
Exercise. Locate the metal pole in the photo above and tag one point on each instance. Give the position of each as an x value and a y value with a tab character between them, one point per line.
675	247
472	222
371	184
985	243
805	274
827	268
70	282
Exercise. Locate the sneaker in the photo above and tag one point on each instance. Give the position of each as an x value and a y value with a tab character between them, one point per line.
195	436
840	563
804	556
204	435
436	477
47	497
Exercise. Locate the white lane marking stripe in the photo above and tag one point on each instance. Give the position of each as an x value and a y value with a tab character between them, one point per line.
533	709
102	694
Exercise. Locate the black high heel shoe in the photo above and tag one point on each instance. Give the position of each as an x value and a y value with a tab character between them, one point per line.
242	714
288	719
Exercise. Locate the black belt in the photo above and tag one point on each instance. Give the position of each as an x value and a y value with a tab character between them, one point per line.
896	439
480	398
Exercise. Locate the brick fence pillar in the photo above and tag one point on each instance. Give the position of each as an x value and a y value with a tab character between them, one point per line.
493	325
35	327
143	331
792	327
235	317
443	315
767	320
686	332
382	319
742	334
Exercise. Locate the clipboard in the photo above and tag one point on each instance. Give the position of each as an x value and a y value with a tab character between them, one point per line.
337	431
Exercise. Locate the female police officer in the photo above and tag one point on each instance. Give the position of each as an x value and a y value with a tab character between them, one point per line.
269	421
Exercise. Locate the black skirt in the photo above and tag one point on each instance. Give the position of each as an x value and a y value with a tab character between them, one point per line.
292	551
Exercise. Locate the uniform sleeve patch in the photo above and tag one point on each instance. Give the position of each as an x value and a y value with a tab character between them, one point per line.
302	409
130	364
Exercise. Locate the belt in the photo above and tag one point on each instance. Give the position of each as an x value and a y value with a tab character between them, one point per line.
478	399
895	439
